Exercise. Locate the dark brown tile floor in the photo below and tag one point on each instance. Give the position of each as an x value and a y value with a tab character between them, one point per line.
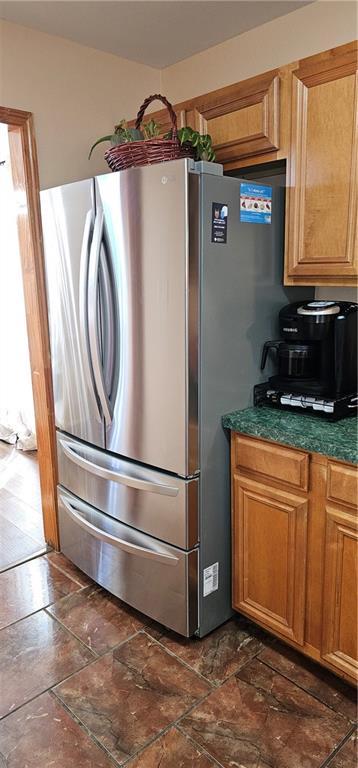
87	682
21	530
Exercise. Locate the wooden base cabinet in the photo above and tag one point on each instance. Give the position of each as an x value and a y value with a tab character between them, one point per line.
339	616
270	539
295	549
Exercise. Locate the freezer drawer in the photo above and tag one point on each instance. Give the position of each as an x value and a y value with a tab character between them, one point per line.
155	578
158	504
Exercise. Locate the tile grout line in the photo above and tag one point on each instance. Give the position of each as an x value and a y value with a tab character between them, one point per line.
214	685
160	733
53	685
66	572
23	501
82	725
199	747
34	556
184	663
309	693
163	731
326	763
98	655
70	632
145	630
5	512
38	610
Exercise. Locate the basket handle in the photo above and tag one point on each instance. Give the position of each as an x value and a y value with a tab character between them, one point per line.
166	103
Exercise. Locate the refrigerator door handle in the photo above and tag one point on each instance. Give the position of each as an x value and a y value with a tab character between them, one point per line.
110	317
92	302
83	289
127	546
116	477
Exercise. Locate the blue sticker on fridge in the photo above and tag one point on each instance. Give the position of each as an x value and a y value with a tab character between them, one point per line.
255	203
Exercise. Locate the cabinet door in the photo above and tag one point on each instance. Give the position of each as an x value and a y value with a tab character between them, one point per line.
339	616
269	556
322	173
243	119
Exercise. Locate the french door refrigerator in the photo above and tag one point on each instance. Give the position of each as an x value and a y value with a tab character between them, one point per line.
160	295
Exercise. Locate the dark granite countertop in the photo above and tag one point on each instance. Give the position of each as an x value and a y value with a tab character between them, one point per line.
312	433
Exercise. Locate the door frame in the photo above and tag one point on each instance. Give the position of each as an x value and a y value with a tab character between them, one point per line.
25	174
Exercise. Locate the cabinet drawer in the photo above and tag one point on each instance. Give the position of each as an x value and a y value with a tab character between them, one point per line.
272	461
342	483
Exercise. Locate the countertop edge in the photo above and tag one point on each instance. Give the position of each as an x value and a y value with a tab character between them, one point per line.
246	421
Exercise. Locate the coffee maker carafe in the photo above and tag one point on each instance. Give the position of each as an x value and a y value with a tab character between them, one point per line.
315	359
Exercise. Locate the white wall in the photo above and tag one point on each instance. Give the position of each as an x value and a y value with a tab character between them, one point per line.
309	30
75	93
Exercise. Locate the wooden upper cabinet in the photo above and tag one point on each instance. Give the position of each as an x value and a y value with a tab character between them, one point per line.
321	236
339	614
242	119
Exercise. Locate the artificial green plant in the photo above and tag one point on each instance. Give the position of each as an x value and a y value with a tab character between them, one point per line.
202	143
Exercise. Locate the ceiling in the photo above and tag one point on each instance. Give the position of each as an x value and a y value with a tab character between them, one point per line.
153	33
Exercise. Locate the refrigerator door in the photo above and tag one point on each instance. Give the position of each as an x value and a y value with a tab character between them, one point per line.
153	502
68	224
156	578
155	266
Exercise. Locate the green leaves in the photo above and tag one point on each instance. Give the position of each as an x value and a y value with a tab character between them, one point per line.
122	135
125	134
151	129
99	141
202	143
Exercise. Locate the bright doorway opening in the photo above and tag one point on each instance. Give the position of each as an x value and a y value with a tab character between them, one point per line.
21	519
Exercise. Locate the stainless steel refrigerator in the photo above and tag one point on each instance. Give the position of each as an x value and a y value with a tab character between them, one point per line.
160	295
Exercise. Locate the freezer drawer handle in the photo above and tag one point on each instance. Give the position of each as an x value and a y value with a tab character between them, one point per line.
116	477
126	546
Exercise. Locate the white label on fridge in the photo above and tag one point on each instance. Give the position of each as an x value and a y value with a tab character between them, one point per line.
210	579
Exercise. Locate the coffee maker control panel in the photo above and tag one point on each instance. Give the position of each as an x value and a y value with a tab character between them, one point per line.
331	408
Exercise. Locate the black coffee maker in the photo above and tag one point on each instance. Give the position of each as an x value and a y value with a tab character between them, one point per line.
315	359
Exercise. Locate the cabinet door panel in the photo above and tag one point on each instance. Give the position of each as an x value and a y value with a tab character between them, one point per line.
269	556
339	631
243	119
322	178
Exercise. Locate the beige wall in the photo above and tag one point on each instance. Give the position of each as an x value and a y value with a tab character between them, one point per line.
76	94
309	30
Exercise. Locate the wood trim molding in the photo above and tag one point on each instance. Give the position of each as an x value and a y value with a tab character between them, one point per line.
26	183
328	65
